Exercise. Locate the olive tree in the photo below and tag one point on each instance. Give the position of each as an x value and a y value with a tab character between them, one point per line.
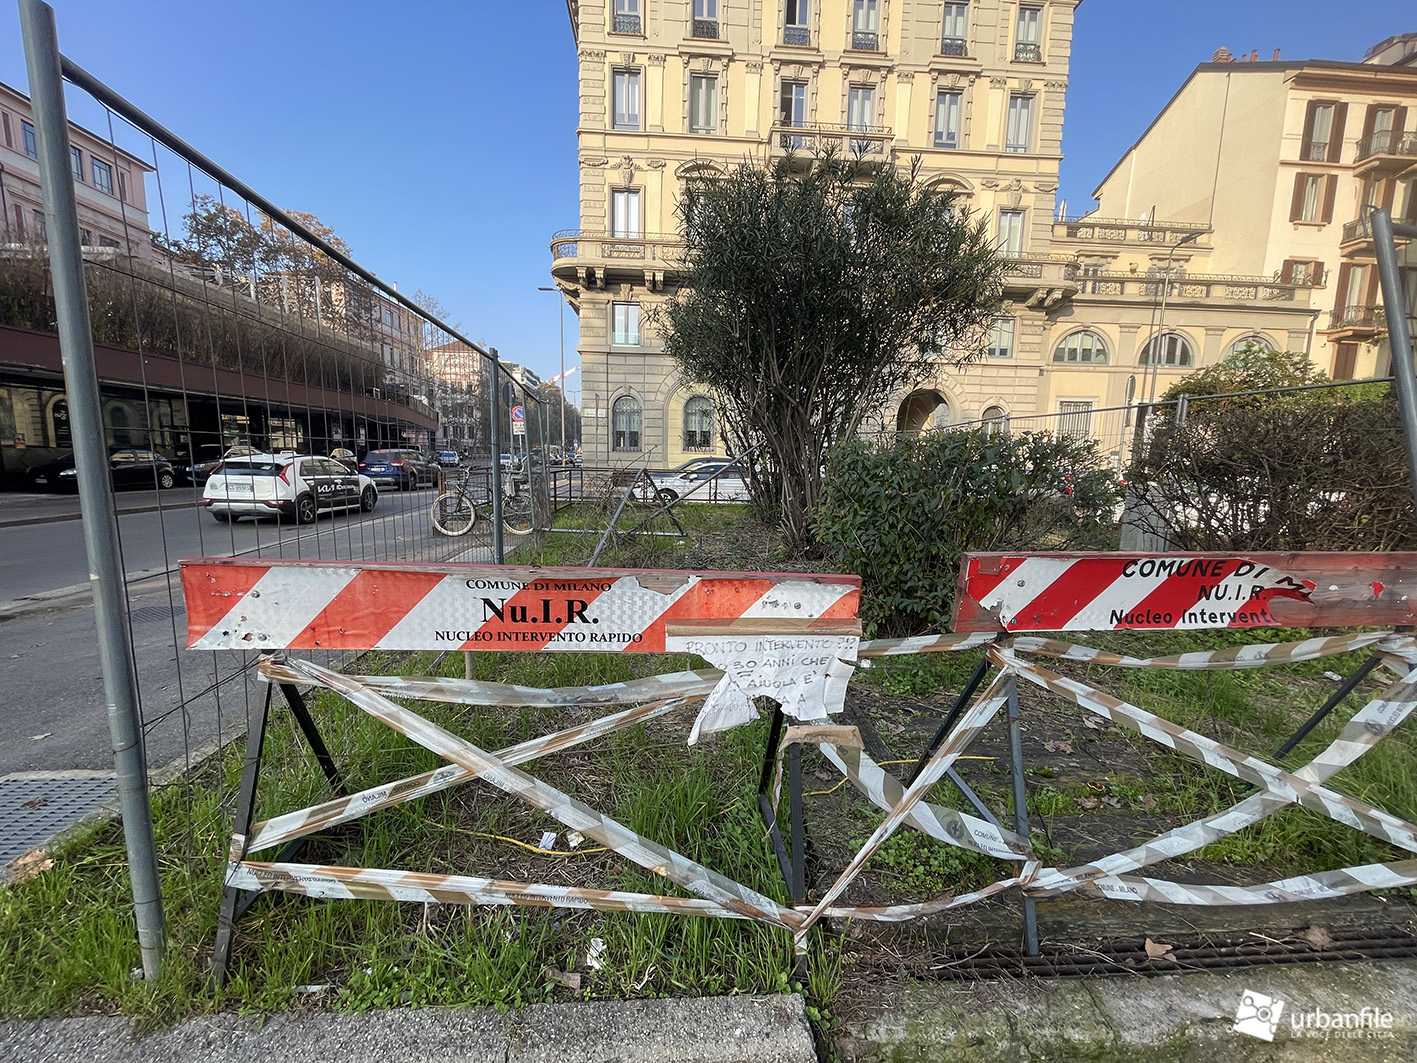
811	296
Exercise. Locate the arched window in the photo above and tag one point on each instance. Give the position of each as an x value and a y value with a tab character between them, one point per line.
698	424
1170	348
1259	340
625	421
995	419
1085	348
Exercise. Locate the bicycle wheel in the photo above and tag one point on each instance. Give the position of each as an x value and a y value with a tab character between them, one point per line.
453	513
516	514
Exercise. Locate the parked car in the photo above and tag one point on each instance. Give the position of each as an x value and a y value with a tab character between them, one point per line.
728	487
448	458
213	455
291	485
345	457
404	469
127	467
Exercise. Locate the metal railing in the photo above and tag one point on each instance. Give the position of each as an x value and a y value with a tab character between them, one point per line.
1025	52
865	41
705	29
1358	229
627	24
1387	142
954	47
666	248
1357	317
1314	151
798	36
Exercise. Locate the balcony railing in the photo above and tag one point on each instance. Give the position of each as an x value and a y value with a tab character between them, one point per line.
798	35
865	41
627	24
1024	52
705	29
1314	151
1190	286
1120	230
1358	229
953	46
663	248
1358	318
821	137
1388	142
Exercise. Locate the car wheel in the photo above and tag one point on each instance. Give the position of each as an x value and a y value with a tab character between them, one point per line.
166	481
305	511
666	496
368	499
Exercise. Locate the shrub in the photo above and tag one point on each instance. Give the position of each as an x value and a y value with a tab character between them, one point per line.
901	514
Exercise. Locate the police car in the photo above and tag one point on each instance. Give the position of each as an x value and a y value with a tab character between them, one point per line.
289	485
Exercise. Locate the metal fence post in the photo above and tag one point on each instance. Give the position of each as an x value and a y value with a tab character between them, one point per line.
66	264
1030	917
1399	336
497	554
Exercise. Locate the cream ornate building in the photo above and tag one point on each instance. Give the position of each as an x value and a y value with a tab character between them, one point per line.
673	89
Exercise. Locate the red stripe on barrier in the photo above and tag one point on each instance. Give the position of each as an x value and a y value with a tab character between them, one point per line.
210	594
366	610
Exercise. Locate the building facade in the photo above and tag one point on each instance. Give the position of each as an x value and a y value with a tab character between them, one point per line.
108	183
672	90
1283	160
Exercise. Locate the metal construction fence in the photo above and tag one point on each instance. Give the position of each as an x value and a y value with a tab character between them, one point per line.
199	325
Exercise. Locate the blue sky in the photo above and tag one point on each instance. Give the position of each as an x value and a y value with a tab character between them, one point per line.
438	136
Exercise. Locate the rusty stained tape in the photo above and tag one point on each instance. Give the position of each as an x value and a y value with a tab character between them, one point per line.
349	883
1233	658
926	644
679	869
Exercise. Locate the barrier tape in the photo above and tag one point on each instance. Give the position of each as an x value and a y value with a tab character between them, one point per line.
679	869
1232	658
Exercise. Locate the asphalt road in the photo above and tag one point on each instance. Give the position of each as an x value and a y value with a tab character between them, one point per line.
52	713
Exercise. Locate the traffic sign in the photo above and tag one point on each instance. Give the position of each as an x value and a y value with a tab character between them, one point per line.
519	413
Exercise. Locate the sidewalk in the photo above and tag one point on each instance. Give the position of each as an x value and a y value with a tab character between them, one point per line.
20	508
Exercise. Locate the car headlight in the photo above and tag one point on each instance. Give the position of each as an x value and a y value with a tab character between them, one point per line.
68	472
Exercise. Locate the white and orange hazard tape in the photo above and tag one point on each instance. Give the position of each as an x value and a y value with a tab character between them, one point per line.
792	637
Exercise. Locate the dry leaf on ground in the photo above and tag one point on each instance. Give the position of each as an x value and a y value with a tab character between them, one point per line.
1157	951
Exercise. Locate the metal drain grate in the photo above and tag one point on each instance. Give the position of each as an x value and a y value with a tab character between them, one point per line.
151	614
34	810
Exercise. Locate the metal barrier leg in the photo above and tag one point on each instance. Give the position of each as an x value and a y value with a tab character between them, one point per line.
1030	917
1336	699
769	814
240	831
312	735
951	717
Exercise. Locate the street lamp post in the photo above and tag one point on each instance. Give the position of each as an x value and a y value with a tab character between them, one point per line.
1161	318
561	380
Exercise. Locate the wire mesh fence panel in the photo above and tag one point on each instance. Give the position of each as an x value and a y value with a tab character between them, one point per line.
260	398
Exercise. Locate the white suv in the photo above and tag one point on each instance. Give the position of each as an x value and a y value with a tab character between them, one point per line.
292	485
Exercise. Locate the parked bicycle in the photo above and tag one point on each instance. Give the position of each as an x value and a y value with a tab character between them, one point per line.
454	512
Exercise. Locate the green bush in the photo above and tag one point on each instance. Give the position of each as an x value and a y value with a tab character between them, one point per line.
901	514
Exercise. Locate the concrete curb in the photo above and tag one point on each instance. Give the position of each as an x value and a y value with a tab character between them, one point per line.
695	1030
54	518
1180	1018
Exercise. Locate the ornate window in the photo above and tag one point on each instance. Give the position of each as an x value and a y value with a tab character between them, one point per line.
1259	340
625	423
698	423
1170	349
1084	348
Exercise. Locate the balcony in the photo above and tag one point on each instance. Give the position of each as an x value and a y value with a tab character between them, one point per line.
704	29
592	259
1024	52
820	137
1357	237
1387	153
865	41
798	36
1314	151
1122	231
954	46
1356	323
627	24
1216	287
1040	280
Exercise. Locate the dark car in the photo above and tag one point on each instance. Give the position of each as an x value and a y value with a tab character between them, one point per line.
212	455
345	457
448	458
404	469
128	467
